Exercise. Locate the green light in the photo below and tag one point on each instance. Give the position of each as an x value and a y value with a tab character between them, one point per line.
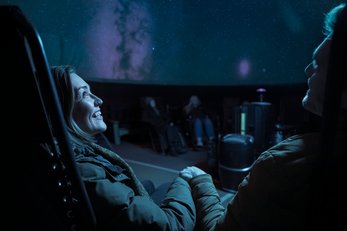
243	123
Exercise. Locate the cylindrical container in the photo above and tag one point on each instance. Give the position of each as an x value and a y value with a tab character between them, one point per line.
235	160
257	120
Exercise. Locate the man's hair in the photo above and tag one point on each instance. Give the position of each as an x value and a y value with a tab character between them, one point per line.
331	17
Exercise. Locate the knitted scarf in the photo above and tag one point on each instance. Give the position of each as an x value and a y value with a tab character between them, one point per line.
117	160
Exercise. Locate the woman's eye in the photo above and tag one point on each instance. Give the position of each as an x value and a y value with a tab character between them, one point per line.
85	94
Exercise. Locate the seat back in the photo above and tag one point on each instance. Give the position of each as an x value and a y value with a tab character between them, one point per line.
49	192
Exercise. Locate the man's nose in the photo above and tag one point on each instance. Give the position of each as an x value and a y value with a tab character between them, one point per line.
309	70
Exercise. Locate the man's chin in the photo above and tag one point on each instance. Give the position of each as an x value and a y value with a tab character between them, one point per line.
311	106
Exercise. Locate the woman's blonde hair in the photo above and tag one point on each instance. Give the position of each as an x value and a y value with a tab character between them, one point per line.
62	78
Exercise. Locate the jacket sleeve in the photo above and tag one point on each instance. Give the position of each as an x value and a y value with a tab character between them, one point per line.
116	204
250	208
244	211
208	204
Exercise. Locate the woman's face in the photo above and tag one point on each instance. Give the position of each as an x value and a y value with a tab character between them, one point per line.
317	74
86	111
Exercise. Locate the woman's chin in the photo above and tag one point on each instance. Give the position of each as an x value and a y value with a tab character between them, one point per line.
103	127
99	128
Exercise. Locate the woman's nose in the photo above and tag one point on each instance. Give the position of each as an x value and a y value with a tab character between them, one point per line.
97	102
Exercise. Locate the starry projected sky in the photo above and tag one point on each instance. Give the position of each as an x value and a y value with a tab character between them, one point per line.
181	42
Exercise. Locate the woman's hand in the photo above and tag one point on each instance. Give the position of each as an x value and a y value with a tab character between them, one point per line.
190	172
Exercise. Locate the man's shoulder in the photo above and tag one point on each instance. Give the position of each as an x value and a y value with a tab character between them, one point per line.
294	147
298	143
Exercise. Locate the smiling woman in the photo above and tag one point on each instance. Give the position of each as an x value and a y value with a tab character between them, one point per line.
82	108
86	110
112	185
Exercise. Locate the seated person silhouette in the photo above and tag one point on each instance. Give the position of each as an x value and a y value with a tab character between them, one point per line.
169	135
200	119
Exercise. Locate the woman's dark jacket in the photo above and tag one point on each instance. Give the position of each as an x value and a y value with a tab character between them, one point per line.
120	200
